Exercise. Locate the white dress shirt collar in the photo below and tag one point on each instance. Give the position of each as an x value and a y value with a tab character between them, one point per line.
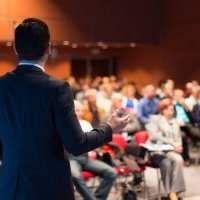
31	63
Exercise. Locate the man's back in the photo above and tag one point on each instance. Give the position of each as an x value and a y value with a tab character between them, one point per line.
37	119
32	149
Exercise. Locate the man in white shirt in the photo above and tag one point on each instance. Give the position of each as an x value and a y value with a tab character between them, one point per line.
83	162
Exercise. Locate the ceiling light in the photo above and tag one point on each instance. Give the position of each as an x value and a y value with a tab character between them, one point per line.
100	44
132	44
66	43
9	44
74	45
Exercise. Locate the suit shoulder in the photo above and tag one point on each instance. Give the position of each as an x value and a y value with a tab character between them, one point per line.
2	77
5	77
56	83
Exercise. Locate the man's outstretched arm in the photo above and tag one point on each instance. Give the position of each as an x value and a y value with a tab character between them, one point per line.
74	139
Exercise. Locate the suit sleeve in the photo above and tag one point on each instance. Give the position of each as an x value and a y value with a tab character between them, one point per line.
74	139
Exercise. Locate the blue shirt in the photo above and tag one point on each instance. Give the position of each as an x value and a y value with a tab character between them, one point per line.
130	103
146	108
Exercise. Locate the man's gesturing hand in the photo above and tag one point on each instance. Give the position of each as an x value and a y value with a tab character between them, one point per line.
118	120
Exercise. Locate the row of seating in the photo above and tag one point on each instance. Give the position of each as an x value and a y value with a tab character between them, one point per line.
124	170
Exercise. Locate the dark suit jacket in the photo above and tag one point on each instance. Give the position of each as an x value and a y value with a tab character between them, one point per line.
196	115
36	119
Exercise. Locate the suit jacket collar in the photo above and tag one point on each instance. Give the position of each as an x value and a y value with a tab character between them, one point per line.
31	63
27	69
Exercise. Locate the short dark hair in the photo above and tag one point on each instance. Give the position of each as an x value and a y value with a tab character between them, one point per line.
31	39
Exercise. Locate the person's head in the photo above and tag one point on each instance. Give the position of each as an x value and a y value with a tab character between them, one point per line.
149	91
106	80
189	86
72	81
32	40
178	95
91	96
129	90
195	82
97	82
113	78
198	94
166	108
195	91
78	109
85	87
168	89
116	99
106	89
171	83
161	83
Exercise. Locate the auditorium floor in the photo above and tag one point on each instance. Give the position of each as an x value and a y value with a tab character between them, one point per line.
192	178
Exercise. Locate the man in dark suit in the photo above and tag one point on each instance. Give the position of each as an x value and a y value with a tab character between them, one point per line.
37	119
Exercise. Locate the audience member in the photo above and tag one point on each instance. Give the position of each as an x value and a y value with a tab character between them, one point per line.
92	112
148	105
181	107
84	87
104	94
83	162
188	88
117	103
164	128
191	100
129	99
195	115
183	117
166	89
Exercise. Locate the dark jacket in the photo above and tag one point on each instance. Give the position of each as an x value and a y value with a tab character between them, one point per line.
196	115
36	119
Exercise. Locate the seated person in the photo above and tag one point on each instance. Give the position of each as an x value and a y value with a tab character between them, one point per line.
92	112
117	104
192	99
104	93
83	162
129	97
164	129
166	89
148	105
184	118
195	116
181	108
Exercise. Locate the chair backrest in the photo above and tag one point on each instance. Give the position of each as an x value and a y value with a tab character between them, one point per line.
86	175
119	140
141	137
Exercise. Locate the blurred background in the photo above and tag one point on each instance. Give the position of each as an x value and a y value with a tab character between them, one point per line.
152	39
